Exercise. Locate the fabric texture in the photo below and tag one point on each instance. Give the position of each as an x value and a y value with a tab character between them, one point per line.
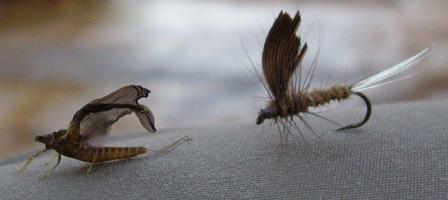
401	153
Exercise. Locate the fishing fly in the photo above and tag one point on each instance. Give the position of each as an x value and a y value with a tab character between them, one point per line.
94	120
289	93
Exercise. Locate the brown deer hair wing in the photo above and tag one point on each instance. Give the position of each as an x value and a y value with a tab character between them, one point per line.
282	54
96	118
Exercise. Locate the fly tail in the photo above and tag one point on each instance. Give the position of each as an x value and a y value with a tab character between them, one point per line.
375	80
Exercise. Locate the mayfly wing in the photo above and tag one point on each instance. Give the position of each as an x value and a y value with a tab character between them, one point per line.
282	53
126	95
97	117
100	123
146	118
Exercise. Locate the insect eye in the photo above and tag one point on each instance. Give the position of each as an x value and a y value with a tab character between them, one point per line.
39	138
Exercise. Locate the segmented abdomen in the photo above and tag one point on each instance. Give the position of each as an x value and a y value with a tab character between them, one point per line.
321	97
103	154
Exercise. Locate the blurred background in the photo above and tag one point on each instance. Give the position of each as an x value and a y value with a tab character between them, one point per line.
57	55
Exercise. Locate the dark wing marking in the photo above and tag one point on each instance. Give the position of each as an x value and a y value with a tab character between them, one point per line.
97	117
282	53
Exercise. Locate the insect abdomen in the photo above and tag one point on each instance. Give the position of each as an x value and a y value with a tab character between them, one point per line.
321	97
103	154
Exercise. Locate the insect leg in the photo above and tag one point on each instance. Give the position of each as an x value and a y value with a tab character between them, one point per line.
308	126
30	159
285	127
57	162
51	160
366	117
300	132
47	174
171	147
283	143
286	133
93	162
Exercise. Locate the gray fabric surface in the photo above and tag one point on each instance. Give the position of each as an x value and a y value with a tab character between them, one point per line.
400	153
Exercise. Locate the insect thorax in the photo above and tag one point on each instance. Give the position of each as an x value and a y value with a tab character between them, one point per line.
286	107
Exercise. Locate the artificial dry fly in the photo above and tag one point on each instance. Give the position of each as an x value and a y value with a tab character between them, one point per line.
94	120
289	94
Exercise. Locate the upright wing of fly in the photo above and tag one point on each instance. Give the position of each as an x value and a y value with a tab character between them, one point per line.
282	53
97	117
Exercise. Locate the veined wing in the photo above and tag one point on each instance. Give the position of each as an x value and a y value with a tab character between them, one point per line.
97	117
126	95
282	53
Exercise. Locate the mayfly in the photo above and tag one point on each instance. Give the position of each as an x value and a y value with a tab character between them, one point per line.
95	119
289	94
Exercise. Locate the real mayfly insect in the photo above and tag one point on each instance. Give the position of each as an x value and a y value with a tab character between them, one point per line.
95	119
289	93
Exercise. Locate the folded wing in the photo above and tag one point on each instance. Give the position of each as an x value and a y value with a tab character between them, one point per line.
97	117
